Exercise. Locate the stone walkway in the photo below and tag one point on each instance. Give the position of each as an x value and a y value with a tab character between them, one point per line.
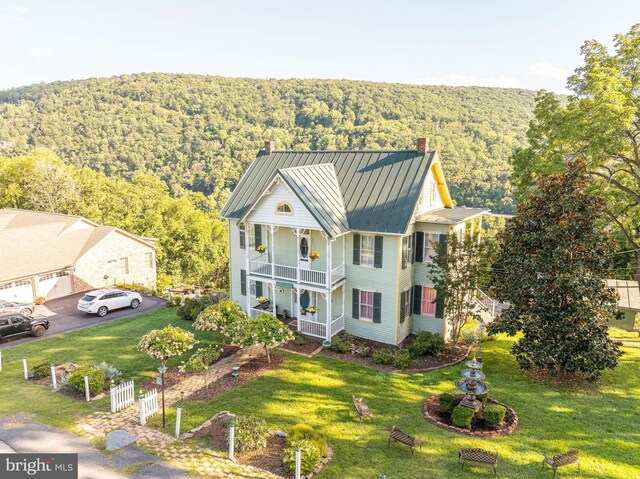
194	459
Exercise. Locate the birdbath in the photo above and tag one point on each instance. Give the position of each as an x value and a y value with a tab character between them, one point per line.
471	384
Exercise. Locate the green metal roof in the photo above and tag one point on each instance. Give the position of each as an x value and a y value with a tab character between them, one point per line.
317	187
379	189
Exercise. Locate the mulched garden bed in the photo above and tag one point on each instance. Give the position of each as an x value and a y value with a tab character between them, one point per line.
63	371
173	376
302	347
268	458
448	357
248	371
479	427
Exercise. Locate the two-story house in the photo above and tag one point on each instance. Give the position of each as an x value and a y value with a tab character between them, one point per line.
339	240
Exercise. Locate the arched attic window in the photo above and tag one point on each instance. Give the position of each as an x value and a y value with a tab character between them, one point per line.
284	208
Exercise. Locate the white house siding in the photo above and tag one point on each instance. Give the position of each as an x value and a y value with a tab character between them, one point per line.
104	259
429	184
265	210
383	280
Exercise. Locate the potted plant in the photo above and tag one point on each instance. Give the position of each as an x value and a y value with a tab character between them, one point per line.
314	255
262	299
312	310
261	248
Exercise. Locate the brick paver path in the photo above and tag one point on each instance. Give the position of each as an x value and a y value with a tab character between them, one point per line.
201	461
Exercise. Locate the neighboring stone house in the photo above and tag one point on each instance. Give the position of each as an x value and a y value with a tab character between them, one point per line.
339	239
628	302
53	255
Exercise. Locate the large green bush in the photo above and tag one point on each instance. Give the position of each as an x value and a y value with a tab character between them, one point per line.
427	344
41	370
251	433
304	431
192	307
342	343
462	416
446	401
96	380
309	456
494	414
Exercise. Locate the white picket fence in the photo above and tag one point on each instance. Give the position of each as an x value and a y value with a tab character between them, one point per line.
122	395
148	404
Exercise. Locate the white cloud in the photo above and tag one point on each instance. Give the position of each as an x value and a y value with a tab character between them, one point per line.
13	14
546	70
42	52
455	79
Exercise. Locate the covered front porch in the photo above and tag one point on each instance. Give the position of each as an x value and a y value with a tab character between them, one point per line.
317	312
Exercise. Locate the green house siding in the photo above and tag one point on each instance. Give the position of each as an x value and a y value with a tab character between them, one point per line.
382	280
405	283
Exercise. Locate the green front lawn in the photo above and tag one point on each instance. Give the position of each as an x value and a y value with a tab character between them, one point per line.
603	423
618	333
113	342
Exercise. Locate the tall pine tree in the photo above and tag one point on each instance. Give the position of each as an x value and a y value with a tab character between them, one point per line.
551	268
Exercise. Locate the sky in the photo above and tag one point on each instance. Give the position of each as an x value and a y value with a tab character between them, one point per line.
514	44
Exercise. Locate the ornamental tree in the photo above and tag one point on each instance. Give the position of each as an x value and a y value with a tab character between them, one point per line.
226	317
267	331
551	267
166	342
455	272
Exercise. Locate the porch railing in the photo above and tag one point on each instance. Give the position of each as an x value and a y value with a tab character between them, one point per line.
319	330
337	325
337	273
285	272
485	301
289	273
260	267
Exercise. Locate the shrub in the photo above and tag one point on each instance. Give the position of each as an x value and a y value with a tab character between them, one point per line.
96	380
110	372
365	351
342	343
41	370
192	307
482	397
209	354
470	336
304	431
194	364
446	401
462	416
427	344
174	302
382	356
403	359
298	338
251	433
309	456
494	414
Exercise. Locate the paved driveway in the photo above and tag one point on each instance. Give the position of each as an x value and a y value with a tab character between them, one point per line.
23	436
64	316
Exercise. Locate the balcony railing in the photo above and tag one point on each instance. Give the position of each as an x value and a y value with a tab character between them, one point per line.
319	278
319	330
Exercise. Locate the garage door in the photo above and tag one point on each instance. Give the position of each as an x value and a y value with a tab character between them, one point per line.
21	291
55	285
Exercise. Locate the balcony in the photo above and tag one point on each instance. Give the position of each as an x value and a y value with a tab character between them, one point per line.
259	267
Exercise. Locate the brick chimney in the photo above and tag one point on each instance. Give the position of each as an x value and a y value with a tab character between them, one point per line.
269	146
423	145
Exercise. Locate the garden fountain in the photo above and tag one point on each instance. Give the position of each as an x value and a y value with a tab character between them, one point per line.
471	384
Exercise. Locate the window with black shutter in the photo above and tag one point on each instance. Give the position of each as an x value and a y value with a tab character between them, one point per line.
257	235
243	236
356	249
377	257
439	304
377	307
401	313
355	304
419	247
243	282
417	299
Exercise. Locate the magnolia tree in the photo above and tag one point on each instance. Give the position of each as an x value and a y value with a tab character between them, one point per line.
163	344
241	330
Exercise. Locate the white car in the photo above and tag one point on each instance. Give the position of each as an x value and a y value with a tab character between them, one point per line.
102	301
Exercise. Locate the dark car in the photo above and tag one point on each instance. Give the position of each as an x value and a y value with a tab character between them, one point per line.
17	324
12	307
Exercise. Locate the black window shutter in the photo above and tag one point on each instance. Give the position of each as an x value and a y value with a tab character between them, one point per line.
243	282
258	288
243	238
377	306
419	247
258	235
405	251
443	240
439	305
403	297
417	299
356	248
355	302
377	254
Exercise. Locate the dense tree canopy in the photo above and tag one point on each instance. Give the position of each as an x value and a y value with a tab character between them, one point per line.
201	132
551	267
600	124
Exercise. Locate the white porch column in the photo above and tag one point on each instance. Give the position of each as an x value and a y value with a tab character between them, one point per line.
329	266
344	291
247	248
272	247
298	262
273	295
295	288
479	228
328	328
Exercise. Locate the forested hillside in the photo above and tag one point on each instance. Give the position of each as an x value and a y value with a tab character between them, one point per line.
201	132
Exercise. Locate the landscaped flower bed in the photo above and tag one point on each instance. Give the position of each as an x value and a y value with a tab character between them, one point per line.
301	345
408	357
70	378
434	413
